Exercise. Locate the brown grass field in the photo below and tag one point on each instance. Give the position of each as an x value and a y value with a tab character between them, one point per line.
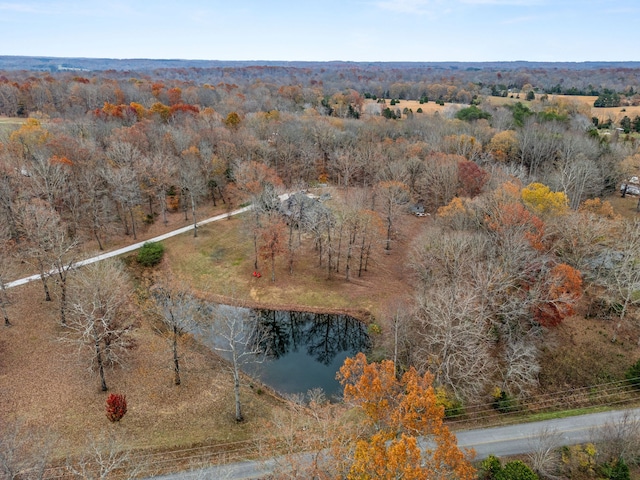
43	386
585	104
11	121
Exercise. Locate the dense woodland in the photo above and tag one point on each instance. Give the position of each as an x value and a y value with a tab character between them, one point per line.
521	233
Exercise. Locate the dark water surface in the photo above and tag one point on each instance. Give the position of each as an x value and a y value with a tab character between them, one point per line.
302	350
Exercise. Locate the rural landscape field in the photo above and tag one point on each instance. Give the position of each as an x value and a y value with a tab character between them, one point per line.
480	224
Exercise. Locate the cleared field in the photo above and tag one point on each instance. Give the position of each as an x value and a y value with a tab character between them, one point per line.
602	114
413	105
8	124
12	120
585	104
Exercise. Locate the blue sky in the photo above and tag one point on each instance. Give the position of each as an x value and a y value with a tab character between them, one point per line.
314	30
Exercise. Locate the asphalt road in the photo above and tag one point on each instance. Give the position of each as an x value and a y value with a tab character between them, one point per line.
499	441
135	246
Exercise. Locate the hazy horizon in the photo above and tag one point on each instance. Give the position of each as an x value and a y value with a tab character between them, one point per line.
314	31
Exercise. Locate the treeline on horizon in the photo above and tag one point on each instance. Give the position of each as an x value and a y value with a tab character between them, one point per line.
518	192
446	81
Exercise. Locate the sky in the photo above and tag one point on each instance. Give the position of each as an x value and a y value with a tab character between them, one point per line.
324	30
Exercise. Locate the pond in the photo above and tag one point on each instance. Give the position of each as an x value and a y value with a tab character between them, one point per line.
299	351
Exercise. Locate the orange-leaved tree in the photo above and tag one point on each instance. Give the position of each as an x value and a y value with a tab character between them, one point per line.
273	239
259	184
515	219
406	436
564	290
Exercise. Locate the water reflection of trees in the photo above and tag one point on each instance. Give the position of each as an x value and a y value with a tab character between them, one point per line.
323	335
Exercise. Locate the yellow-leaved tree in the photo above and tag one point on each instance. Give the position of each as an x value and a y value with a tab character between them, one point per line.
406	436
542	200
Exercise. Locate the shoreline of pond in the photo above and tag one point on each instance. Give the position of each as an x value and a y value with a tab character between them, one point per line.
360	314
303	349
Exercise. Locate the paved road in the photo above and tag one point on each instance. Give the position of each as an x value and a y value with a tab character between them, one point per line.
500	441
135	246
516	439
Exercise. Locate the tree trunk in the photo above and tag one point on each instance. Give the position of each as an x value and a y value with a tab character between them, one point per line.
273	267
63	299
7	323
163	207
95	233
176	364
255	250
625	305
362	249
47	295
388	246
396	324
133	223
123	217
291	248
255	239
212	190
366	258
103	382
329	247
236	389
339	248
193	214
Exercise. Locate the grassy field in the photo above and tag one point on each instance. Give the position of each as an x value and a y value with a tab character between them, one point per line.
45	387
585	104
10	123
221	260
12	120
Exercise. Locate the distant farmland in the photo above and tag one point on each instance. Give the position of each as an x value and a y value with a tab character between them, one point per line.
602	114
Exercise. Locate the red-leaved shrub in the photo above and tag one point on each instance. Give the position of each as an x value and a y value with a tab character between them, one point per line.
116	406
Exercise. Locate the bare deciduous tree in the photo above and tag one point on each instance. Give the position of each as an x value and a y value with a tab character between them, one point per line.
620	439
97	206
105	457
23	452
237	337
42	226
193	181
577	238
394	196
259	183
622	276
454	342
51	249
178	310
5	271
545	456
100	324
438	182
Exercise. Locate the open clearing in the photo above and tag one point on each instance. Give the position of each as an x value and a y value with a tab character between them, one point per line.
43	385
585	104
